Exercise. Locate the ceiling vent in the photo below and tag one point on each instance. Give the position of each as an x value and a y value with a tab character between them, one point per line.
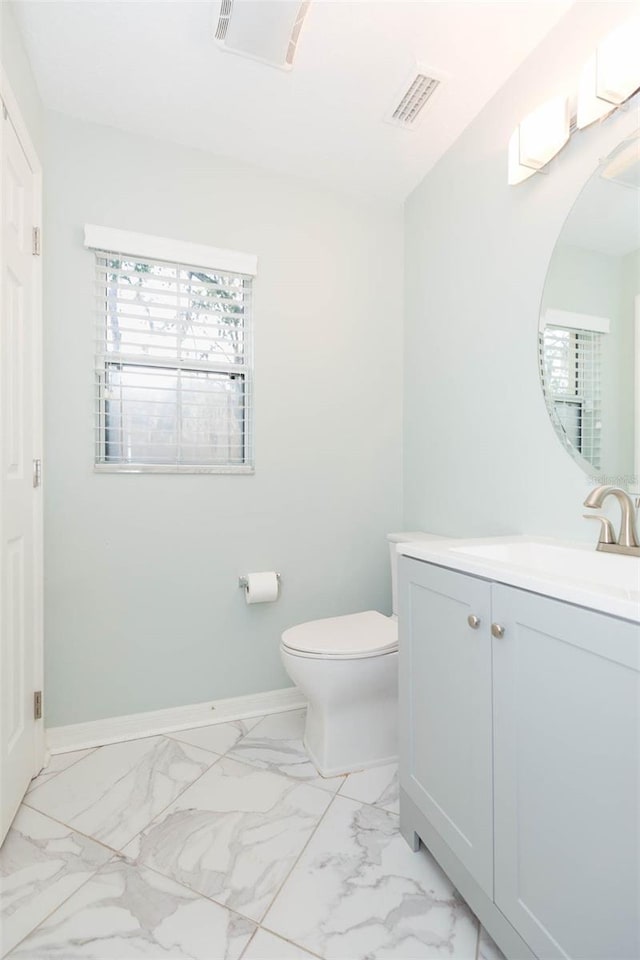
264	30
223	19
417	92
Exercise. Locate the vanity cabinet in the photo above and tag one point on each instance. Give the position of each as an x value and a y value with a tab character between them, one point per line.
520	758
446	703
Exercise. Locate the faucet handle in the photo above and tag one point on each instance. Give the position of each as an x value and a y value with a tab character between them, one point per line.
606	528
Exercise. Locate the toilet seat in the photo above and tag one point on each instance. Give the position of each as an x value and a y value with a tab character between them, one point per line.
352	637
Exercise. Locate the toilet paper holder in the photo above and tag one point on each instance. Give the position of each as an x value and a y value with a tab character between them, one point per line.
243	582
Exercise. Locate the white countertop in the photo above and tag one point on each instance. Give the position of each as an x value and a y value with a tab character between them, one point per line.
574	572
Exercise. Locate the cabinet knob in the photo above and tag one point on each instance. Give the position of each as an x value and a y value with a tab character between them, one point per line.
473	621
497	631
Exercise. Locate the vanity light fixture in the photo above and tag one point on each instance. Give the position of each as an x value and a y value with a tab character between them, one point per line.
538	138
544	133
608	80
517	170
611	75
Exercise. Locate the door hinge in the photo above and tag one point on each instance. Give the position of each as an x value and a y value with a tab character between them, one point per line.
35	247
37	705
37	473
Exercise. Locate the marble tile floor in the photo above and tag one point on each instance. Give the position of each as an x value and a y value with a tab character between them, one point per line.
221	843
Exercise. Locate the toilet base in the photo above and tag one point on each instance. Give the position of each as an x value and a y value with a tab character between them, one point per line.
352	721
340	771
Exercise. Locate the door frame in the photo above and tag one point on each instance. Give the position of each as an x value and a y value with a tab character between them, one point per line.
22	131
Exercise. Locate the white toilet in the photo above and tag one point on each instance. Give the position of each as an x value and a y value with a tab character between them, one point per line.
347	667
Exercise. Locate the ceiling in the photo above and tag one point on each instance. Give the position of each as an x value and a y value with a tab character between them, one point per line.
151	66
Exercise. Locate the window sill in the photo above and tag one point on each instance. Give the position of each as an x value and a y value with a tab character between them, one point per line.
172	468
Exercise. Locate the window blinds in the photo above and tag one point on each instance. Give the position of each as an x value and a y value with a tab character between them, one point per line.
571	365
173	366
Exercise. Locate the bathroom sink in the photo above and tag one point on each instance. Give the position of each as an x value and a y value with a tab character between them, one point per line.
569	571
550	558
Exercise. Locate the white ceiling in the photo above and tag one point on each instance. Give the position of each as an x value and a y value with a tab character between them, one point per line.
151	66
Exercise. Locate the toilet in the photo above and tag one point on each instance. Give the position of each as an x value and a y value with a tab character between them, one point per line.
347	668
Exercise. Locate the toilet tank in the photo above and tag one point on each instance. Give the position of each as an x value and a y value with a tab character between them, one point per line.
394	539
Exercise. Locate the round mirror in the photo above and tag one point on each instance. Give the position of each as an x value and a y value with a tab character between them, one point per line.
589	337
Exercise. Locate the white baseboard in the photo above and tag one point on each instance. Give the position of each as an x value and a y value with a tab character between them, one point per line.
97	733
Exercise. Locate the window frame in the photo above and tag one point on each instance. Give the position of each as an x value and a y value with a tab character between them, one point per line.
588	441
189	256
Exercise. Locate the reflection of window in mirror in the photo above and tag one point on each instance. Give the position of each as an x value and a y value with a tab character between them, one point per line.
571	364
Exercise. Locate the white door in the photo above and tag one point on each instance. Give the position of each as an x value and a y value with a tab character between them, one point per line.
21	741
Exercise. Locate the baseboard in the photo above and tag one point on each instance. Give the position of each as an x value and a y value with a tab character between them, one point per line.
97	733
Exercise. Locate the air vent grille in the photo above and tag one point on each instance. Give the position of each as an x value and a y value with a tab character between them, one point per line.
420	91
223	19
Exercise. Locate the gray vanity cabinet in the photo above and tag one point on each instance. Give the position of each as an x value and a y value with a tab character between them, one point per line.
520	760
445	702
566	764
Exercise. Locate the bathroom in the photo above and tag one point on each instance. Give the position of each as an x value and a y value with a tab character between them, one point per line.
397	284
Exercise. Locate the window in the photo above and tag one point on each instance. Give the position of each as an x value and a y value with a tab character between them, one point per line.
173	366
571	372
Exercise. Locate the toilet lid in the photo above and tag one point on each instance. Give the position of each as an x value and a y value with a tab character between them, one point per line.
355	635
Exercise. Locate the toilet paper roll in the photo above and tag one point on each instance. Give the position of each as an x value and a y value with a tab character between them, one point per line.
261	587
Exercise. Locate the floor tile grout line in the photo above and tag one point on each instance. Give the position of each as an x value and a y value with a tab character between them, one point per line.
219	903
259	924
175	735
217	756
279	773
64	770
259	766
292	942
134	865
185	743
242	763
300	855
159	813
269	769
117	854
69	826
138	867
248	943
194	893
116	850
56	908
297	860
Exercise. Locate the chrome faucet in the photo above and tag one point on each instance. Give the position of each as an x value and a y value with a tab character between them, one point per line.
627	541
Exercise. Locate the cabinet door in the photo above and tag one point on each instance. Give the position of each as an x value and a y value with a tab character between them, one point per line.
566	757
445	700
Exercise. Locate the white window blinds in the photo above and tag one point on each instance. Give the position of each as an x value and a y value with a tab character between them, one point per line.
173	366
571	364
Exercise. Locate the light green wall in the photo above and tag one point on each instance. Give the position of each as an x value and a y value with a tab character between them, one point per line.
143	609
17	68
480	453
